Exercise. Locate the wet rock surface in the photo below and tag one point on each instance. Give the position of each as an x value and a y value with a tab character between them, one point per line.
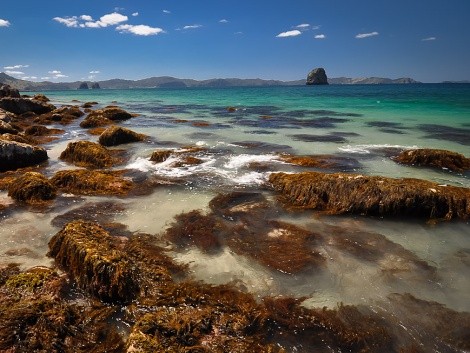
14	155
433	158
87	154
116	135
374	196
24	105
32	188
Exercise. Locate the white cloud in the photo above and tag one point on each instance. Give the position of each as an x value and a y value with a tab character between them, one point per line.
139	30
45	78
91	24
94	72
15	67
303	25
60	76
54	72
68	21
223	21
86	18
293	33
167	12
14	73
366	35
320	36
192	26
238	32
112	19
4	23
428	39
135	14
33	77
91	77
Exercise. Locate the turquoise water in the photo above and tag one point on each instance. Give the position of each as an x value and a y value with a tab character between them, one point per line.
363	125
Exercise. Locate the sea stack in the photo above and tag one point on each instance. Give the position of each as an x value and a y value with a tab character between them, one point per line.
83	85
95	85
317	77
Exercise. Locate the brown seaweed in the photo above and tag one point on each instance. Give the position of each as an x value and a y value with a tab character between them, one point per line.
116	135
87	154
341	193
32	188
433	158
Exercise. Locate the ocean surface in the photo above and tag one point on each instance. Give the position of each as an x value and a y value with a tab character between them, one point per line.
362	125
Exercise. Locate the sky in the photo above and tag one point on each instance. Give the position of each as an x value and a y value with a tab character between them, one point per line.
65	40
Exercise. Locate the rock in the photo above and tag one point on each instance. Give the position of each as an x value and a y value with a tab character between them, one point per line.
160	156
105	116
322	161
95	85
6	128
41	98
92	258
6	116
19	138
433	158
87	154
7	91
89	104
116	135
14	155
342	193
23	105
83	85
63	115
32	188
40	130
317	77
94	121
90	182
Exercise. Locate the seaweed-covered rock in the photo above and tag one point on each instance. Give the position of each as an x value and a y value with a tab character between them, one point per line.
41	98
24	105
91	182
90	255
32	188
40	130
7	128
105	116
116	135
87	154
442	159
14	155
160	156
63	115
321	161
25	139
89	104
341	193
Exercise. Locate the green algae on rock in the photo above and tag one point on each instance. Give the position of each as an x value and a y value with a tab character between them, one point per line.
87	154
433	158
32	188
92	182
342	193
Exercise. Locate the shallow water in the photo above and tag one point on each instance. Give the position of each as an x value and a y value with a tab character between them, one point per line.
363	124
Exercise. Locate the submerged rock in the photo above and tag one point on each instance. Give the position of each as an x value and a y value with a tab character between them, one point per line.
91	182
440	159
341	193
14	155
32	188
116	135
24	105
105	116
87	154
317	77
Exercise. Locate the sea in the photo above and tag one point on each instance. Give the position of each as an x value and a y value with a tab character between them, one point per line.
242	132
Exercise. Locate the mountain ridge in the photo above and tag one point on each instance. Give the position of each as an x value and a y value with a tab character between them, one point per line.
173	82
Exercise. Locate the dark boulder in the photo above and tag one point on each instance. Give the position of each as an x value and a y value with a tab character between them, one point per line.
317	77
7	91
433	158
32	188
24	105
116	135
14	155
95	85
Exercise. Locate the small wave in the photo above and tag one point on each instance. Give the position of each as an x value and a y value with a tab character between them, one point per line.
366	149
243	160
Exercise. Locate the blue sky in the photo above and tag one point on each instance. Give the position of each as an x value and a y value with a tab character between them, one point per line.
67	40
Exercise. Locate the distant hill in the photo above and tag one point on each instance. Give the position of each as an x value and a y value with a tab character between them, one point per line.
172	82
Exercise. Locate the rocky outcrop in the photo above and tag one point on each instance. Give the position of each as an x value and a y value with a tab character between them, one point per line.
14	155
63	115
317	77
87	154
24	105
32	188
342	193
440	159
95	85
7	128
83	85
41	98
7	91
104	117
116	135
